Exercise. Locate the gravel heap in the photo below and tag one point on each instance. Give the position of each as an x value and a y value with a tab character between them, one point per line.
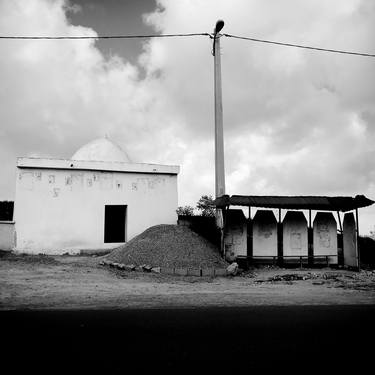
168	246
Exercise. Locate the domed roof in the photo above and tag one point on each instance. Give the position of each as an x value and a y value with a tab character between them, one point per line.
101	149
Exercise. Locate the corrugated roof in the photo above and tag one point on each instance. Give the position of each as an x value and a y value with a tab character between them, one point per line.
321	203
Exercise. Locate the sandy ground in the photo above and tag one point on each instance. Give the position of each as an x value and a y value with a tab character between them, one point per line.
79	282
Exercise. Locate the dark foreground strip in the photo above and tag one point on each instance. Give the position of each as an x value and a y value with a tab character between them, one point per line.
232	340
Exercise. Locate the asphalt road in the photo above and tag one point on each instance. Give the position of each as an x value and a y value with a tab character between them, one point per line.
291	339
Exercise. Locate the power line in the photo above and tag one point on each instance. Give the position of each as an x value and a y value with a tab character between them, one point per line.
184	35
300	46
103	36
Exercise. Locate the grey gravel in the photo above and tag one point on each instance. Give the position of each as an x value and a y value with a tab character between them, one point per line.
168	246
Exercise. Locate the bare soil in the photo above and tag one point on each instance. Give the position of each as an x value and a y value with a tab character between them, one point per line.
79	282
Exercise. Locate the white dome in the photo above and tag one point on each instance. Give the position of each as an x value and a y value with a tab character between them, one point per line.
101	149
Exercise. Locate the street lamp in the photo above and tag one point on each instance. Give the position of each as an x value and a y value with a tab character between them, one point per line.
219	26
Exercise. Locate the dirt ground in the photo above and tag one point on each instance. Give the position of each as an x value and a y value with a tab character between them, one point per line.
79	282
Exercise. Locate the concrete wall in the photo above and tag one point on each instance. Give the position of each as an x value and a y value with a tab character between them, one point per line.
59	210
294	234
235	241
325	235
235	238
7	235
350	240
264	233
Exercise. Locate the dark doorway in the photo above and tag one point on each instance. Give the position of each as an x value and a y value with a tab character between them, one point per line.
114	223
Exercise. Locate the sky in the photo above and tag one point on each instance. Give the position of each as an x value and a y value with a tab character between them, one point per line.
296	122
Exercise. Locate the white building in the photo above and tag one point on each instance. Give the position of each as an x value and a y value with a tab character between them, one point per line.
96	200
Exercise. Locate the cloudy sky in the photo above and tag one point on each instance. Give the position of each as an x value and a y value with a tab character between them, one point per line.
295	121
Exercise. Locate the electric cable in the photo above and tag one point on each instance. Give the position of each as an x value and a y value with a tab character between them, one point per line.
300	46
186	35
103	36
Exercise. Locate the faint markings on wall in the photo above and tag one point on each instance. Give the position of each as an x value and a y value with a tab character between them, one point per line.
106	181
77	180
264	233
69	183
294	234
68	180
233	241
26	180
148	183
296	240
325	235
235	237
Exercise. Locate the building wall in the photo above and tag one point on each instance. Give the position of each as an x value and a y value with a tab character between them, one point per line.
59	211
235	241
264	233
294	234
7	240
325	235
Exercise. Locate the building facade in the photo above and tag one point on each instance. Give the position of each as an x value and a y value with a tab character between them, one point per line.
97	200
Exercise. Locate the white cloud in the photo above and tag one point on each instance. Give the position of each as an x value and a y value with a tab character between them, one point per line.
296	121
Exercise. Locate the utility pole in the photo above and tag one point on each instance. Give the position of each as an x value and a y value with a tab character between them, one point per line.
219	137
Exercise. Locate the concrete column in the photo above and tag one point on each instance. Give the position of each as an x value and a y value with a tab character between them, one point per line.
219	137
350	241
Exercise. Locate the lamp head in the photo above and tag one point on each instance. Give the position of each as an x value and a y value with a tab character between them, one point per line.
219	26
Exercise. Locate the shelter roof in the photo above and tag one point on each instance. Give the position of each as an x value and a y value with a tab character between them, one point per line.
321	203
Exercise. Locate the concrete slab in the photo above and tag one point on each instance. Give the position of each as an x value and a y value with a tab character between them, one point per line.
167	270
194	272
294	234
220	272
181	271
264	233
325	236
350	240
208	272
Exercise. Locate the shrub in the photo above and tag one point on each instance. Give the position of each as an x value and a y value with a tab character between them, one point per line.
185	211
205	205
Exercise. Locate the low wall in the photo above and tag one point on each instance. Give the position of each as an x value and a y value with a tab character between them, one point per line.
177	271
7	235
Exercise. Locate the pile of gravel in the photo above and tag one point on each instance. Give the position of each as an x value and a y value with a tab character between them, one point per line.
168	246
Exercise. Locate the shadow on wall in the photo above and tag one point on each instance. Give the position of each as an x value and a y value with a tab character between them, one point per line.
367	252
204	226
